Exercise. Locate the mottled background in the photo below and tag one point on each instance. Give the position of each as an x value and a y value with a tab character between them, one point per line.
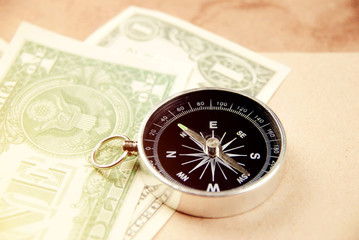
261	25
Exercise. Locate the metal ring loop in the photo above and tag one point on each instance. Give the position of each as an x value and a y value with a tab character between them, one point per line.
97	147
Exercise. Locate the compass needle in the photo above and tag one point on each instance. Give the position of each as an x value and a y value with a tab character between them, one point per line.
233	163
193	135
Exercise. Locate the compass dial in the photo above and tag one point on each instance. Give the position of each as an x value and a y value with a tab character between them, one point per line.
212	141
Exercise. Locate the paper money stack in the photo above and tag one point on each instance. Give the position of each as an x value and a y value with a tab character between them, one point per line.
59	97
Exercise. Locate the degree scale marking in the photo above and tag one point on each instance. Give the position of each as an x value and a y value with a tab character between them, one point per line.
171	113
157	125
174	116
189	104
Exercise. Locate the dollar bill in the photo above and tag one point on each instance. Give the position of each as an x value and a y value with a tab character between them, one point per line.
58	99
218	62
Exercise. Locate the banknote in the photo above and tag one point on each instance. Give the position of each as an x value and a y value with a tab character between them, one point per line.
218	62
58	99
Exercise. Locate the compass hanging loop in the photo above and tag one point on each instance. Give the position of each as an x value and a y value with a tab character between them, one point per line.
128	148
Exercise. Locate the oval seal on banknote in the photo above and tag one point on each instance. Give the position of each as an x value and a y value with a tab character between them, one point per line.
227	71
141	29
69	119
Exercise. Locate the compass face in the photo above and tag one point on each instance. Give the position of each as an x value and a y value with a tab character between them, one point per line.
210	140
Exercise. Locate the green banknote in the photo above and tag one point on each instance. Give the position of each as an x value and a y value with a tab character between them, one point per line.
58	99
218	62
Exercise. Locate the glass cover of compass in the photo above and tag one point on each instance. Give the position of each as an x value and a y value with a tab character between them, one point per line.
211	141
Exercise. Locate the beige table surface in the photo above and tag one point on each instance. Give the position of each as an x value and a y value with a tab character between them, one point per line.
318	102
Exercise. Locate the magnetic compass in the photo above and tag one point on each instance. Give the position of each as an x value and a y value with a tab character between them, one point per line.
219	151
